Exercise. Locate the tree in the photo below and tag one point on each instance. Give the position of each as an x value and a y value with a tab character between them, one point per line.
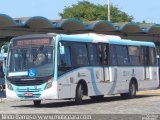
87	11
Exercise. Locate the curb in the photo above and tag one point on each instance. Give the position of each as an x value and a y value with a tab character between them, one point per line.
154	92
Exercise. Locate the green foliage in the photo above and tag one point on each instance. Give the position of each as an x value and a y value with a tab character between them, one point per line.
86	11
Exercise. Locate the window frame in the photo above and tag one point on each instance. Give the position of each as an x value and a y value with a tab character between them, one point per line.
150	57
118	64
66	68
140	63
101	53
73	54
110	58
97	56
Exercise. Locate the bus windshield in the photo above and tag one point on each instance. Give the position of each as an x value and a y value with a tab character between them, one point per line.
37	58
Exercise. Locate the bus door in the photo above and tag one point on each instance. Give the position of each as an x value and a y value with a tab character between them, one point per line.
64	65
113	69
104	48
145	55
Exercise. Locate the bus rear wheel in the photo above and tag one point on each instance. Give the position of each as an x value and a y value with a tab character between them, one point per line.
132	91
79	94
37	103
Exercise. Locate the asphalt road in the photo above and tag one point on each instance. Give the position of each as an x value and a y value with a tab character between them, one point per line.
148	103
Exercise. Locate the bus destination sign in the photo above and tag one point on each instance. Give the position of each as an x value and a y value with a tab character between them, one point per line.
37	41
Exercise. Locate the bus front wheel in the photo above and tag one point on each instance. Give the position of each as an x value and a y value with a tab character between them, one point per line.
132	91
79	94
37	103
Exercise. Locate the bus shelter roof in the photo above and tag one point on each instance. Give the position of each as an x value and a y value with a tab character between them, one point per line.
10	27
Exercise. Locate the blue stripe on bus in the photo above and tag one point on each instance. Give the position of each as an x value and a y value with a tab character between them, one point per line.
94	84
99	67
76	38
131	42
93	79
84	38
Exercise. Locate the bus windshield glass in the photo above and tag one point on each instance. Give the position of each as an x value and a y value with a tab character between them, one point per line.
35	58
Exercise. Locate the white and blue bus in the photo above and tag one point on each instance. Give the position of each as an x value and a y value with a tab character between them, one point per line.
58	66
3	57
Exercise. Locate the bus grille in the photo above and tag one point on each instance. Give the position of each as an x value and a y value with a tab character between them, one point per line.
34	96
27	82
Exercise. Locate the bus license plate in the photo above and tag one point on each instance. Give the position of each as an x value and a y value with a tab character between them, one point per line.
28	94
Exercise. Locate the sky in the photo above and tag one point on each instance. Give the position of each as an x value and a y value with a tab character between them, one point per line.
148	10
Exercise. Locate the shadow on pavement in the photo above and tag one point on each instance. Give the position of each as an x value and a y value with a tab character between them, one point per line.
67	103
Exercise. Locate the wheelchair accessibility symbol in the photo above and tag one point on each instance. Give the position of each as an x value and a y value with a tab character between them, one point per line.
32	72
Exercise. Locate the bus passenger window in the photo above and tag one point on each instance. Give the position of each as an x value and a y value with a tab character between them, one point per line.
122	55
93	56
153	59
134	55
80	54
1	70
100	53
105	54
65	59
112	55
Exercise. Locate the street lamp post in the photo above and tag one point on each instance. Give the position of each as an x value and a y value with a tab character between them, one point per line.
109	18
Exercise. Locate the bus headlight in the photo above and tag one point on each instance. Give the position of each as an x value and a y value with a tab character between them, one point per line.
49	84
9	86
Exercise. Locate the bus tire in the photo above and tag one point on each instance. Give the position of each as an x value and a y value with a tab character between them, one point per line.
132	91
37	102
79	94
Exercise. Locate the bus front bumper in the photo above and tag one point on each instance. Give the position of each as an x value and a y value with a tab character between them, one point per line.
32	93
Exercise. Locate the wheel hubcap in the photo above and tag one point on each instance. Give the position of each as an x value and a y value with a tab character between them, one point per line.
133	89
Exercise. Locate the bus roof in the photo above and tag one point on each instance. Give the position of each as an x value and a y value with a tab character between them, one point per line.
131	42
89	37
111	39
93	37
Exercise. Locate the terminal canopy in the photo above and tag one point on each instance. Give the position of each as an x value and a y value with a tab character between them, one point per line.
6	21
155	29
38	23
131	28
100	26
103	26
70	24
11	27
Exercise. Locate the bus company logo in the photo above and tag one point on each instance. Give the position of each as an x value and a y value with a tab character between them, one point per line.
32	72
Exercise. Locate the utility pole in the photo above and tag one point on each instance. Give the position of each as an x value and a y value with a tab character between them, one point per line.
109	14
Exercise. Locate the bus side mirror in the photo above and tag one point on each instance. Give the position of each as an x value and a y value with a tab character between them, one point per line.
62	51
16	55
2	54
61	48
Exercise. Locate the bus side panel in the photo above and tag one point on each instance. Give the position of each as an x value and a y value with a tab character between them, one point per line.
50	93
67	83
93	77
121	77
152	82
64	88
111	84
125	74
